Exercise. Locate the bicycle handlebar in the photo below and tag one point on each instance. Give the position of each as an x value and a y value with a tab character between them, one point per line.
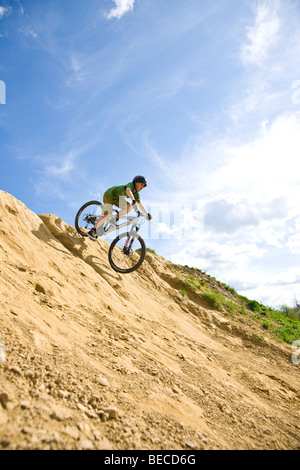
141	214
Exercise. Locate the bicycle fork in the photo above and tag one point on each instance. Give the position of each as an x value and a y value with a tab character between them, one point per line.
127	247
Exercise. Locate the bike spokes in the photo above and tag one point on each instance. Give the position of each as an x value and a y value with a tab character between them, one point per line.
127	252
87	216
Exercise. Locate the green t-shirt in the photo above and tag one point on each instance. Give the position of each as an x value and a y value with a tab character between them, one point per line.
120	191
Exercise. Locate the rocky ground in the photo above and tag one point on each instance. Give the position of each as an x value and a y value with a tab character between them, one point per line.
91	359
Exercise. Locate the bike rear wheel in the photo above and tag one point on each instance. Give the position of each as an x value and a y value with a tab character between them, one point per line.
127	252
87	216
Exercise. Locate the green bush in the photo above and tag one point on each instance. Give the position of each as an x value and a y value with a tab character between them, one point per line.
254	306
214	299
266	325
183	293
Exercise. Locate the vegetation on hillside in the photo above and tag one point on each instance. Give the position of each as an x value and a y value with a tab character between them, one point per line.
283	324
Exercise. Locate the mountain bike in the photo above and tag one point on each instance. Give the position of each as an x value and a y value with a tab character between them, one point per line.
128	250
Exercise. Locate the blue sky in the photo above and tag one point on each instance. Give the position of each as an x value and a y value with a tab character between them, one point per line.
201	97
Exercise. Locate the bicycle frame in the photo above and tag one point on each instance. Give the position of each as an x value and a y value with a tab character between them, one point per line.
130	220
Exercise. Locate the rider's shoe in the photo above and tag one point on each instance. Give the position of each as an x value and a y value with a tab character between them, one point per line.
100	231
93	234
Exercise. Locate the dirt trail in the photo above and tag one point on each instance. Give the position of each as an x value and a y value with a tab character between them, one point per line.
95	360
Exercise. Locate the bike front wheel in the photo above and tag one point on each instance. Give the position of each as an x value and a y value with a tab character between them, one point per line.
127	252
87	216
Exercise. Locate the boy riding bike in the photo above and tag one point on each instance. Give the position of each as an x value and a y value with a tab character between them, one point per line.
116	195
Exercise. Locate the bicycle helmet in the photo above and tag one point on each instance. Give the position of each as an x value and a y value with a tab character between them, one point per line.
139	179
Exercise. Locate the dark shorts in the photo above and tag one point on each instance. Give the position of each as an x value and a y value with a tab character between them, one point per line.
108	203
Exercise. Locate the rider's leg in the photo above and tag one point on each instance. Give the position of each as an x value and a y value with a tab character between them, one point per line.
123	205
125	210
102	220
106	211
98	228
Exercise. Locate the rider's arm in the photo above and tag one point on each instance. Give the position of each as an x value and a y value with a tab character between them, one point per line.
139	204
129	193
131	196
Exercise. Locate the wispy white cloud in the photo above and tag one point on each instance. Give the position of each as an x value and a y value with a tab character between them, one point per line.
273	50
20	6
4	11
294	239
227	216
121	7
294	243
227	258
63	168
263	34
28	32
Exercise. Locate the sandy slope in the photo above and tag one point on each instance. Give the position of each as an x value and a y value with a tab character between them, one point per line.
98	360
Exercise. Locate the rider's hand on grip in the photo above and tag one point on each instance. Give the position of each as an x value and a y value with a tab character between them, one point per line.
135	206
149	216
